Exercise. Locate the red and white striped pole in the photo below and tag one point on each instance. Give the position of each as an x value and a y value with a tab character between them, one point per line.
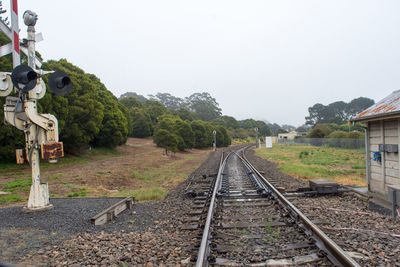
15	33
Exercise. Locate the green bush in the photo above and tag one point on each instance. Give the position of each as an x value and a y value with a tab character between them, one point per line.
167	140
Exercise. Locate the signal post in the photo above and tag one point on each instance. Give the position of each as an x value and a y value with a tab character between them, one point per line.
41	130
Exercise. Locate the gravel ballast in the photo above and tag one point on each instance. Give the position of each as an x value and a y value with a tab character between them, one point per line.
150	234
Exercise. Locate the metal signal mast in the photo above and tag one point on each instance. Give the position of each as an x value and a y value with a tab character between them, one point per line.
41	130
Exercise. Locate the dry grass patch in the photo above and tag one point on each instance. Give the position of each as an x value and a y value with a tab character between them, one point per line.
139	167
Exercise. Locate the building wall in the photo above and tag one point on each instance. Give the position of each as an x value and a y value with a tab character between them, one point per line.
290	136
384	173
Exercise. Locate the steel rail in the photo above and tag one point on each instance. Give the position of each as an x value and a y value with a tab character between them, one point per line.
204	248
336	254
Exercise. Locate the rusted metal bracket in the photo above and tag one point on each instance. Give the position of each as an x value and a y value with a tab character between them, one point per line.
112	212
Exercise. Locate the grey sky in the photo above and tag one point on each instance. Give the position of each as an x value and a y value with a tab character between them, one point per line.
262	59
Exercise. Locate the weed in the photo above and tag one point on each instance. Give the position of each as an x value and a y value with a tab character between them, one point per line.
277	233
82	192
268	225
69	185
239	243
244	231
145	194
303	154
56	176
75	194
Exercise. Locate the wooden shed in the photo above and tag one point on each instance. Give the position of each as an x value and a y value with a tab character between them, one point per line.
382	141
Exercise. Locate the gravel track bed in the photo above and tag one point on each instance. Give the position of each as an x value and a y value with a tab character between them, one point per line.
147	235
345	211
151	235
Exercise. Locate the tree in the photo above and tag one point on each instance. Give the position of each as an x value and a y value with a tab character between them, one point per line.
202	137
320	131
166	140
220	137
274	128
316	114
80	114
155	109
204	105
130	102
184	114
337	112
169	101
303	128
316	133
357	105
288	127
337	134
141	98
227	121
184	130
141	123
226	137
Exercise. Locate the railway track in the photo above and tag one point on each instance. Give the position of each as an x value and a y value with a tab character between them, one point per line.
246	221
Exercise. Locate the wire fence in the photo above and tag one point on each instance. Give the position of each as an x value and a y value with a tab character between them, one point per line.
329	142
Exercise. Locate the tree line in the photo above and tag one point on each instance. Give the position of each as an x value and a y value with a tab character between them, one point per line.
338	112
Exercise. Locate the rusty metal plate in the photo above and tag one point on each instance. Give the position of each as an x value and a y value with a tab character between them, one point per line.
52	150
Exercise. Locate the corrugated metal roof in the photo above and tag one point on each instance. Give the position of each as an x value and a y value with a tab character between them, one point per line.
388	106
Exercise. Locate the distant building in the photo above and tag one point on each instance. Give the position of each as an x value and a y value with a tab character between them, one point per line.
382	139
289	136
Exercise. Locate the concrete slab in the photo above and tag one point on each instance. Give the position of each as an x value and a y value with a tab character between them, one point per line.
361	190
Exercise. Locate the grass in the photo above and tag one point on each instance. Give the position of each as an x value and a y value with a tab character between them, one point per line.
148	174
144	194
345	166
95	153
77	192
7	167
10	198
21	185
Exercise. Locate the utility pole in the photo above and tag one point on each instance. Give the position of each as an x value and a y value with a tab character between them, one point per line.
41	130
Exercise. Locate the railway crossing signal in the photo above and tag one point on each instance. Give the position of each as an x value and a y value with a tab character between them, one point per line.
215	140
257	141
41	130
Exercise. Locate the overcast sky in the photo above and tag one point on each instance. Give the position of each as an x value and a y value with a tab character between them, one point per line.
268	60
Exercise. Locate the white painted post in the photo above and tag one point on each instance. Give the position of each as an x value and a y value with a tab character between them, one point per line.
15	33
39	194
